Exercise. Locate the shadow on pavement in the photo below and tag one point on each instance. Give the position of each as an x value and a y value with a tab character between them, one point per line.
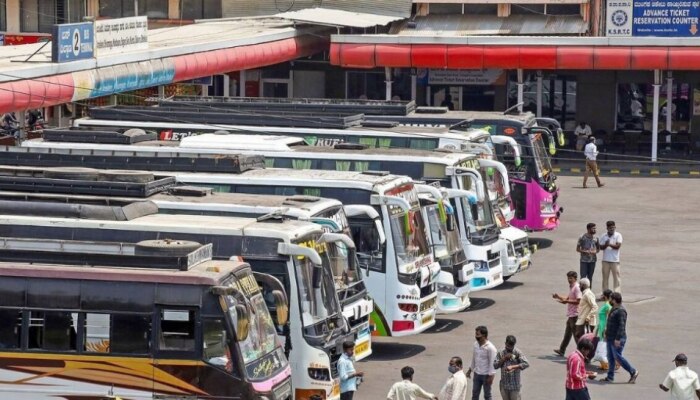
479	304
550	357
541	243
508	285
444	325
394	351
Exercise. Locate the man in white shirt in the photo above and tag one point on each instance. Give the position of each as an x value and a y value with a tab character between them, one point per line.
591	153
582	132
406	389
456	387
482	363
682	381
610	243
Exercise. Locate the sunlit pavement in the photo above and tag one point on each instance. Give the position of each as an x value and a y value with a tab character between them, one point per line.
659	221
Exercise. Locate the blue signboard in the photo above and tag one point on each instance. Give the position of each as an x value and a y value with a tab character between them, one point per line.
73	42
672	18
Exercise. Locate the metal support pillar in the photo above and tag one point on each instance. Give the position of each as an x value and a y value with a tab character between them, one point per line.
520	90
669	106
414	85
655	116
539	93
241	84
387	74
227	85
161	92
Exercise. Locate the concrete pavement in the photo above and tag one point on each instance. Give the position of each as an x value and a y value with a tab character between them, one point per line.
658	220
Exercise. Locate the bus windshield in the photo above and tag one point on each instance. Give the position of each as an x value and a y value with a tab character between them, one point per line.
410	240
258	349
481	216
316	291
445	243
539	153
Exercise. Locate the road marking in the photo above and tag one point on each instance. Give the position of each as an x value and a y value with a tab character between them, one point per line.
674	172
556	169
694	172
442	328
575	169
634	172
654	172
614	171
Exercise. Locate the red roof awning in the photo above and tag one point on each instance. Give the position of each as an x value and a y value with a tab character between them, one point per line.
552	57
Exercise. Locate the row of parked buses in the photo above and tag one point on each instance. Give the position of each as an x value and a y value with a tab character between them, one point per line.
242	241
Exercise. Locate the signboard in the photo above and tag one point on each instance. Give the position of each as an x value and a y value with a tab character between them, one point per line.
204	80
113	36
665	18
72	42
465	77
14	39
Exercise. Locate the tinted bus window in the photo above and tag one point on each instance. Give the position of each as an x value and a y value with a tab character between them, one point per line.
131	334
52	330
10	328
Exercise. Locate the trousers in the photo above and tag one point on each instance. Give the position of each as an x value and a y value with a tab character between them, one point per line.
568	332
510	394
479	382
614	268
577	394
615	355
587	268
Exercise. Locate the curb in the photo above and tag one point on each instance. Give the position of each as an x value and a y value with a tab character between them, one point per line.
655	172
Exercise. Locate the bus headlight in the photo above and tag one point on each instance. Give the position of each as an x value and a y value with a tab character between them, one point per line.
320	374
546	206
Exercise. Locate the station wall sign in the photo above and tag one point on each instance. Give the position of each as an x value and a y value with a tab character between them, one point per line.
72	42
14	39
459	77
664	18
113	36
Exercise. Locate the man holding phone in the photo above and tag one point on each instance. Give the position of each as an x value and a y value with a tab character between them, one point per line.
610	243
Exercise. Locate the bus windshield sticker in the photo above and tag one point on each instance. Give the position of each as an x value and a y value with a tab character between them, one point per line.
247	285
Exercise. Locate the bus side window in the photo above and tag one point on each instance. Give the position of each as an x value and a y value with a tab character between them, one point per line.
96	333
10	329
176	330
52	330
216	346
369	249
131	334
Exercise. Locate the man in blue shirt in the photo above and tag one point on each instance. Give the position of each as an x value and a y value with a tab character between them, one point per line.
347	373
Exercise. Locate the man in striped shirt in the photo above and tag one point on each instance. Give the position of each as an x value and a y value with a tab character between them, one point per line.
576	374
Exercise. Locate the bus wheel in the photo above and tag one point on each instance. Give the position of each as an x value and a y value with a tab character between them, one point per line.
166	247
73	173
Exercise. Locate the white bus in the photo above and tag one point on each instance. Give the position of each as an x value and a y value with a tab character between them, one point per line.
116	320
298	253
329	213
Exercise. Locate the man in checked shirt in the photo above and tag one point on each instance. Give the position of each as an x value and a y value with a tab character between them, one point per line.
576	374
510	361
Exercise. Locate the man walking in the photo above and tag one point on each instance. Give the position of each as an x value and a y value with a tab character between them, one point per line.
591	153
576	374
610	243
482	363
587	310
346	372
510	361
588	246
456	387
406	389
682	381
616	337
571	301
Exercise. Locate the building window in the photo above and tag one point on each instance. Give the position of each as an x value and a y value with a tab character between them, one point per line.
41	15
201	9
156	9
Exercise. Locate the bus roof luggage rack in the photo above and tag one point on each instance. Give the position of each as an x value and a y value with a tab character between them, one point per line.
209	115
427	120
352	106
79	211
105	159
84	181
92	135
151	254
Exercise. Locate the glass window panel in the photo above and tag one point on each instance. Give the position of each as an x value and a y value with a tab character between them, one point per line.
131	334
52	330
177	330
10	328
96	333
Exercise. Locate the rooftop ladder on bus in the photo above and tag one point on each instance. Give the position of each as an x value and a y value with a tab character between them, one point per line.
125	160
350	106
152	254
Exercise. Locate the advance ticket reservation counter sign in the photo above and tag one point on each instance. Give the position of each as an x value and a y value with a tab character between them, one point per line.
72	42
665	18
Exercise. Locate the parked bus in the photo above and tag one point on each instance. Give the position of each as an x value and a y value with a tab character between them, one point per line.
534	190
403	274
297	253
139	321
329	213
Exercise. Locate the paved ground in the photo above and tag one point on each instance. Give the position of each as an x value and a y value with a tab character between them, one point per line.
660	226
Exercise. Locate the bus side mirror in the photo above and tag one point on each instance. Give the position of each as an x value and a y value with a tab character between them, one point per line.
243	322
450	223
281	306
